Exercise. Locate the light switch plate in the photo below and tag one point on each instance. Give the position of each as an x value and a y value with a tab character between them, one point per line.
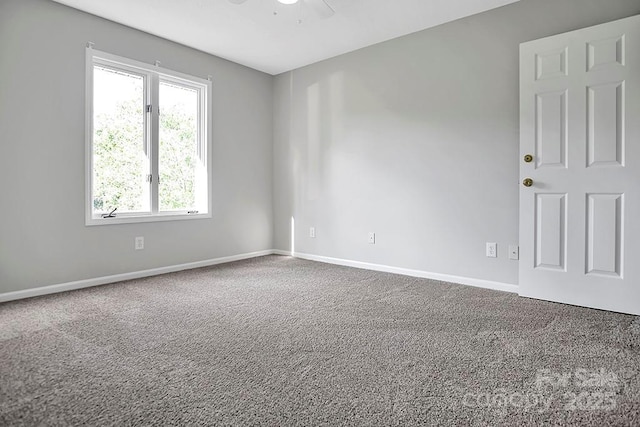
514	252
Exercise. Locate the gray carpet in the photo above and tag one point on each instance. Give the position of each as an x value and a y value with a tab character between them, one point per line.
281	341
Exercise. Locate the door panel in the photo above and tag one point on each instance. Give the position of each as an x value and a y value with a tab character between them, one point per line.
580	220
605	141
551	129
605	237
551	64
550	229
608	51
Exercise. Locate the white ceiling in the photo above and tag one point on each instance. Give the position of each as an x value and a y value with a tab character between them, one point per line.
252	35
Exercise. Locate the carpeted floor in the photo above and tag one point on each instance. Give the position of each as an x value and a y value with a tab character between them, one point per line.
281	341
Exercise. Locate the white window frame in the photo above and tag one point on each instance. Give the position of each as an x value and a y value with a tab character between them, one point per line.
153	75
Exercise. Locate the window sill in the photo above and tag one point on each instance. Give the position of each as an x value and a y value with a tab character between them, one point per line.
134	219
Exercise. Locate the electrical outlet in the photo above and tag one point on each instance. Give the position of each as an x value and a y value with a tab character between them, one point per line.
139	243
492	250
312	232
514	252
372	238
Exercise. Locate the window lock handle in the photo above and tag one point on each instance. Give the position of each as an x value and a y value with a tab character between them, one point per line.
110	214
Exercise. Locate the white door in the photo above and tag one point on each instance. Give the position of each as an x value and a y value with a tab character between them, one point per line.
580	123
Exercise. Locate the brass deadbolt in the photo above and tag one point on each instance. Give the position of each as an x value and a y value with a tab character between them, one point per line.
527	182
528	158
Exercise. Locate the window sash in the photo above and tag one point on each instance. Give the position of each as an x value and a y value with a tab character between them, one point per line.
146	144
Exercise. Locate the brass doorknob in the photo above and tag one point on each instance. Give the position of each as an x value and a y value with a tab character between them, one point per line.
528	158
527	182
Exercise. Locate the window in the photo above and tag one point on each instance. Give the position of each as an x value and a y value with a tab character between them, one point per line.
148	142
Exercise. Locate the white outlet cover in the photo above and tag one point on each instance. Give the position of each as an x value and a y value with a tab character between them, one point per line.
492	250
139	243
312	232
372	238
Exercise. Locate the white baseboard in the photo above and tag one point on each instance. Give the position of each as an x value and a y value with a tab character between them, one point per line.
478	283
281	252
52	289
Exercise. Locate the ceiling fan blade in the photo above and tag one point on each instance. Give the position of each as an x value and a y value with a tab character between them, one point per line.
321	8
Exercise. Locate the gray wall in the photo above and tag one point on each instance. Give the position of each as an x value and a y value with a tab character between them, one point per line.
415	139
43	239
